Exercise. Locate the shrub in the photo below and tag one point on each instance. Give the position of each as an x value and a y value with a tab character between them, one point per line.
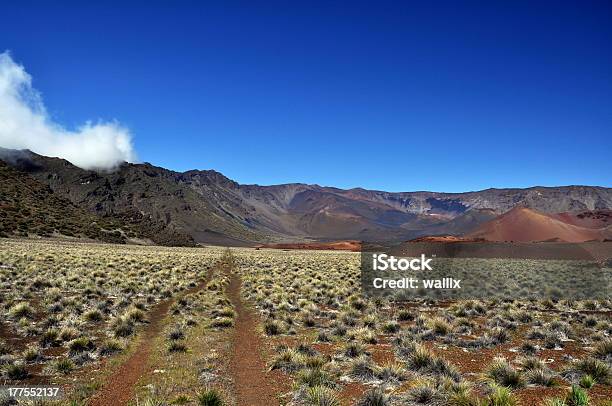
528	348
22	309
362	368
210	397
32	354
405	315
421	358
349	318
406	346
502	373
370	321
541	376
110	346
68	333
222	322
122	327
314	377
135	314
587	381
272	327
599	370
353	350
524	317
603	350
176	346
4	348
391	327
442	367
154	401
16	372
501	396
288	360
339	330
314	362
500	335
357	303
529	363
176	334
49	338
181	400
461	395
577	397
424	394
306	349
308	320
80	344
374	397
552	340
590	321
392	371
321	396
93	315
440	327
63	366
226	312
367	336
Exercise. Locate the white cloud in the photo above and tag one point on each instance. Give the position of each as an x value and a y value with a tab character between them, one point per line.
25	124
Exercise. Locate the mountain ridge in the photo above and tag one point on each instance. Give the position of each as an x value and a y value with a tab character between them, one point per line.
209	207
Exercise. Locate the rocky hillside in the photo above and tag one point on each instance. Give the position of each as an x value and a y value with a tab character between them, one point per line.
210	208
29	207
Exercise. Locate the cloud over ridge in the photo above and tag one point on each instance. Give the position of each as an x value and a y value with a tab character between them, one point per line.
25	124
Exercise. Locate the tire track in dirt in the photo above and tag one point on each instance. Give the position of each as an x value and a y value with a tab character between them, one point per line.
252	384
119	387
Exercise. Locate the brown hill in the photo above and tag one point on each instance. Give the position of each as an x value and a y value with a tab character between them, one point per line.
524	225
587	219
354	246
446	239
29	207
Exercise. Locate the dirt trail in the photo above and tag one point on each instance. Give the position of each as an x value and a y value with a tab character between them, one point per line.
253	386
118	388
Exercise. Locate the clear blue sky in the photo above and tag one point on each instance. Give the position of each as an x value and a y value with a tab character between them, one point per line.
451	96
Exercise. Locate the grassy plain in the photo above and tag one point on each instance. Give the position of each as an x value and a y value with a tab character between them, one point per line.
116	324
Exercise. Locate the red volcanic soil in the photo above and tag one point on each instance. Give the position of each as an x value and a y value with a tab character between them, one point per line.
120	385
446	239
254	383
525	225
333	246
586	219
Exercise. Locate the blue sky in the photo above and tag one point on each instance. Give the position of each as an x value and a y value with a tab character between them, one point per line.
398	96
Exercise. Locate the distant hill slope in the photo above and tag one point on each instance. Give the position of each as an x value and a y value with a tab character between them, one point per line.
30	207
171	199
522	224
210	208
588	219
